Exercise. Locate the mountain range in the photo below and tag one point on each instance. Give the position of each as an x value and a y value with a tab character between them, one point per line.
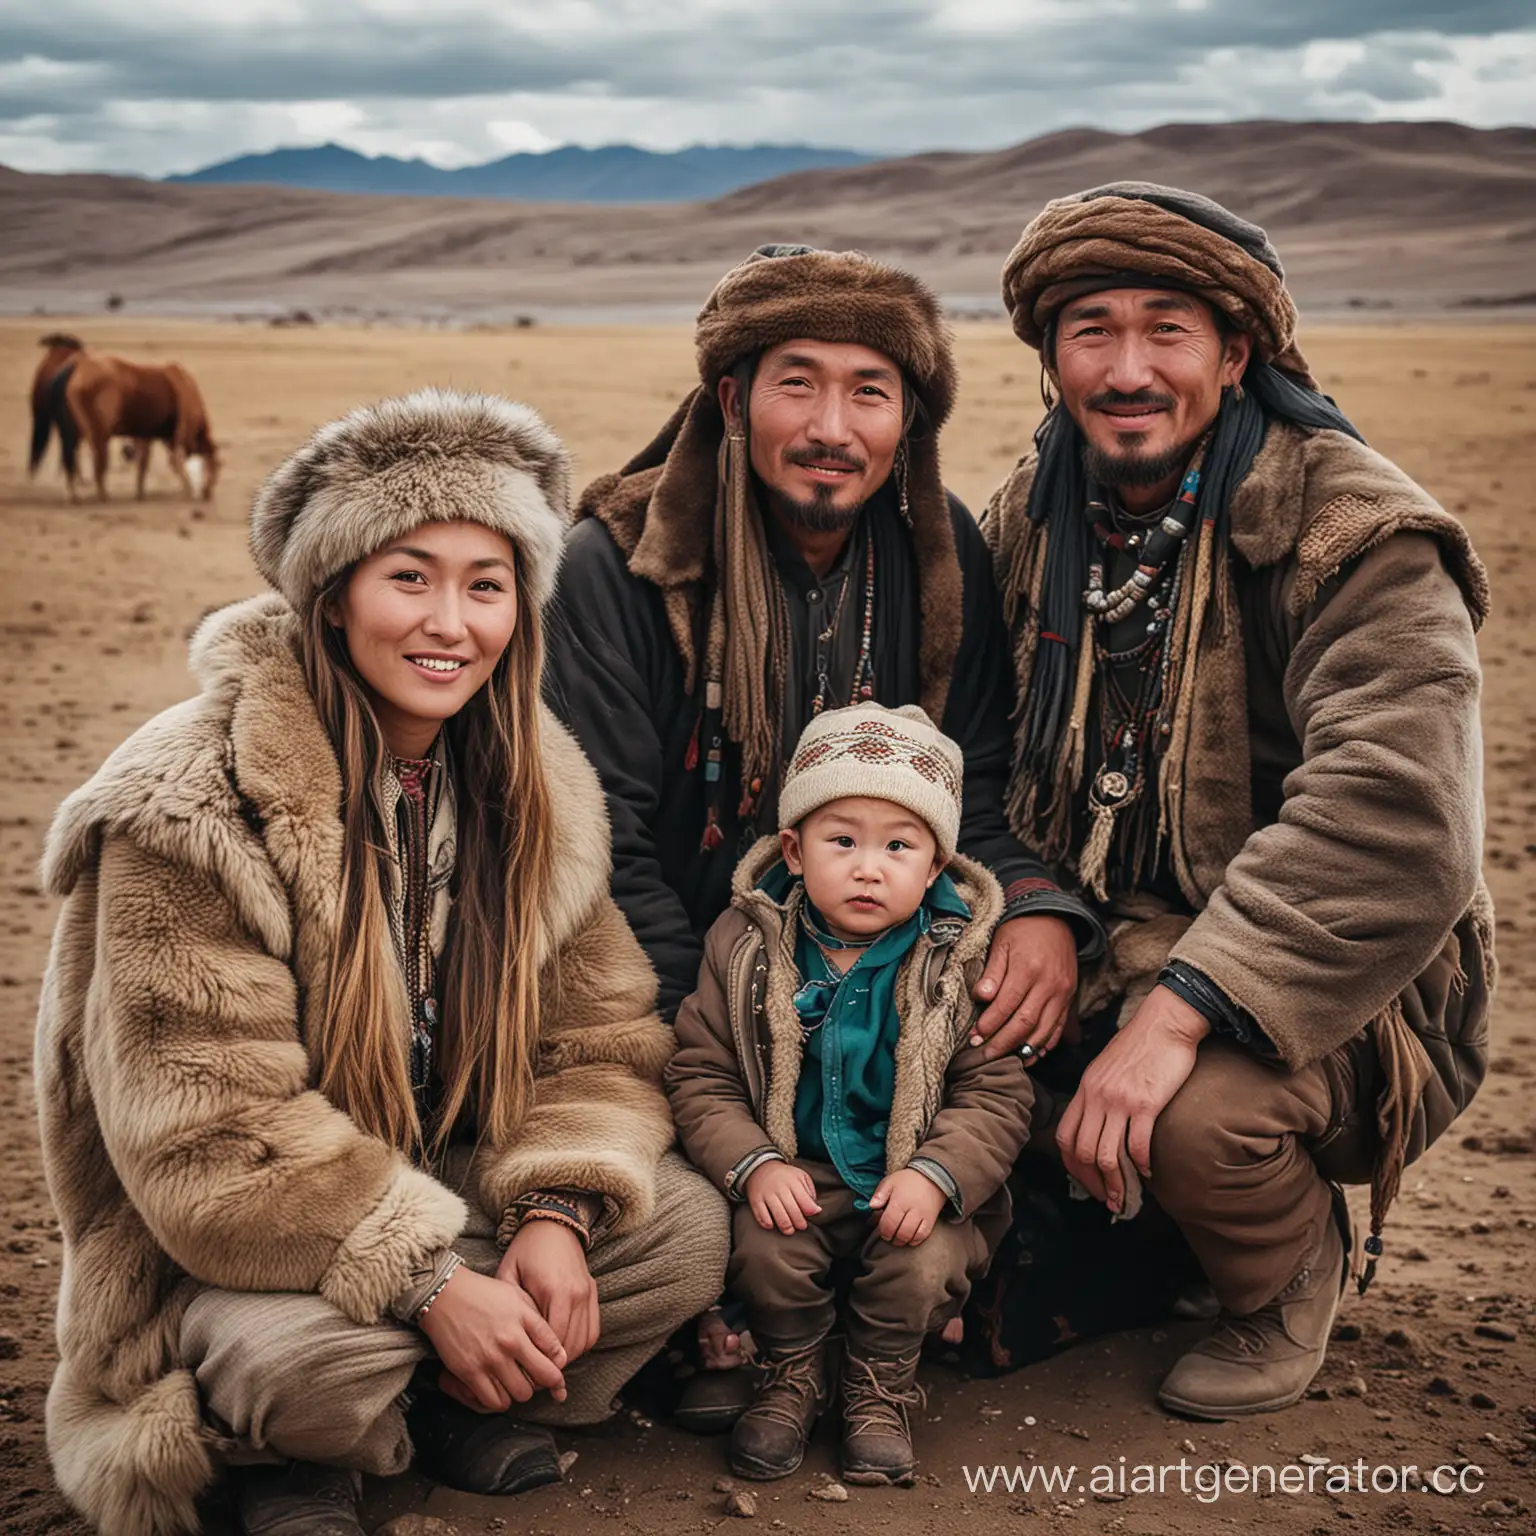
1406	216
616	173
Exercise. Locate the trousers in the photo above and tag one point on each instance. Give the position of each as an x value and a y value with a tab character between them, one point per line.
287	1375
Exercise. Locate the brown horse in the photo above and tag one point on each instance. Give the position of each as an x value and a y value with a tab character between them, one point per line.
99	397
59	349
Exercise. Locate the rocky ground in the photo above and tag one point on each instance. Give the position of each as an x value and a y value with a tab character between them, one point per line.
1436	1367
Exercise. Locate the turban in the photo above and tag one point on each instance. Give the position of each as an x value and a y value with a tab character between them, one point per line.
1137	234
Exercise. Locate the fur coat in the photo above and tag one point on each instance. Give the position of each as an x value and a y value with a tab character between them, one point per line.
183	1141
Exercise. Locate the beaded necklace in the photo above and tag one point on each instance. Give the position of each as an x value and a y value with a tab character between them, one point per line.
863	672
1133	720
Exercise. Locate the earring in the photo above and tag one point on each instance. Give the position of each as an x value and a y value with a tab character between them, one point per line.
903	503
1047	395
1237	392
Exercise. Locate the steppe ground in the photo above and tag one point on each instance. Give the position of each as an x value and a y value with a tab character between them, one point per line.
1437	1365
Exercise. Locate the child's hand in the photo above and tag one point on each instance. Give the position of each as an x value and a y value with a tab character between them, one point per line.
910	1203
781	1196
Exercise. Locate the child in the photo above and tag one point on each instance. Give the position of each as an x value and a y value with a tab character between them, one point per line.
824	1081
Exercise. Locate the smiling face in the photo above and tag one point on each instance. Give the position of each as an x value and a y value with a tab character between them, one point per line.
426	619
1141	372
826	419
866	863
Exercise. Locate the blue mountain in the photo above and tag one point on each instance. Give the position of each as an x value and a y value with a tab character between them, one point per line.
617	173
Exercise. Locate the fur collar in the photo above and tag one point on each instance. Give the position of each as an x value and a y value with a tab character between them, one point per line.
241	784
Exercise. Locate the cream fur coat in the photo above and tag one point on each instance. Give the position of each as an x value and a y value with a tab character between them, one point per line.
184	1144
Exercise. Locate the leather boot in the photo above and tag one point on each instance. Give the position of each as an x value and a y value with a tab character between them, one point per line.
769	1439
877	1437
486	1453
295	1498
1263	1360
713	1401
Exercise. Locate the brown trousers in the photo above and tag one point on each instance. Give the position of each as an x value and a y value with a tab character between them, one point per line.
1243	1154
897	1295
288	1376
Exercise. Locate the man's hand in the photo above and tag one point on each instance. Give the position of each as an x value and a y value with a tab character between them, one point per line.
781	1196
909	1203
495	1346
547	1261
1125	1089
1028	986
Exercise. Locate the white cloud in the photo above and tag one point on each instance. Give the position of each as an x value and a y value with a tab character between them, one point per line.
166	85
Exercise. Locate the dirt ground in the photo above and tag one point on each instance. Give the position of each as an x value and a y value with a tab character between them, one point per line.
1436	1366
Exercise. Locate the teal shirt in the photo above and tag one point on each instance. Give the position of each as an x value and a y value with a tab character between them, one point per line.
850	1028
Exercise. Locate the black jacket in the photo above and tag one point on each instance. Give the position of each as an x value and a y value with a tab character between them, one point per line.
615	677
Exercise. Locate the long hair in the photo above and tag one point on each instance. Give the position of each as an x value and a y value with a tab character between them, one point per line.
489	1035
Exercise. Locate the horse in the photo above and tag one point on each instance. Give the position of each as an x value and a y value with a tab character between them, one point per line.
60	348
98	396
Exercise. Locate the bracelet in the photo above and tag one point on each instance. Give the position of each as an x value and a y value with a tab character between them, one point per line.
450	1269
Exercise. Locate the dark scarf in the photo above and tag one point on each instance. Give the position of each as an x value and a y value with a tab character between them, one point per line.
1050	762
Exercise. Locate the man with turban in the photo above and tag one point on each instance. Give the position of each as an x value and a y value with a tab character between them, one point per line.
1248	723
786	544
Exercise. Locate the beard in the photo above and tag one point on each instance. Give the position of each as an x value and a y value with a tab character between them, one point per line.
820	513
1127	467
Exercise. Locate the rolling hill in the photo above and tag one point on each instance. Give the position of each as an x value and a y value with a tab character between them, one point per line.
1413	216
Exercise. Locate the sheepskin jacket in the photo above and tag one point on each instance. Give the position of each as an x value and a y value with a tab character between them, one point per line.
740	1046
1329	826
184	1142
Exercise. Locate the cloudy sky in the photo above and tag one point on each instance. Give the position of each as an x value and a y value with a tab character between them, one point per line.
155	86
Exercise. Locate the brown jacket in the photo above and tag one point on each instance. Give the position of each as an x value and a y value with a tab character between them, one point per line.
183	1139
1328	816
732	1081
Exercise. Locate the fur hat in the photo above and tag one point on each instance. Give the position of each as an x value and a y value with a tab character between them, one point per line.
868	750
382	470
780	293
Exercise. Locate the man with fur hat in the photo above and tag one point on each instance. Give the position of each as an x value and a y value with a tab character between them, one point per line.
1245	649
826	1081
785	545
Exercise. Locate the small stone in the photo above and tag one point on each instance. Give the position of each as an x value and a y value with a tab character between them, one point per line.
725	1485
1356	1387
1346	1333
568	1460
417	1525
742	1504
1382	1416
1309	1459
1480	1229
1320	1395
1187	1446
1499	1509
1110	1498
1403	1338
1438	1386
829	1493
1029	1419
10	1347
1500	1331
1482	1400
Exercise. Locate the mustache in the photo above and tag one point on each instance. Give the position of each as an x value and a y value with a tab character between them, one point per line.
828	455
1146	398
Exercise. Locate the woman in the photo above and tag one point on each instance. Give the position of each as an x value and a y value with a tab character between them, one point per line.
346	1062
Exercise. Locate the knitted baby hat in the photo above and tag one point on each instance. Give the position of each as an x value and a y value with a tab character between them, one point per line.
898	755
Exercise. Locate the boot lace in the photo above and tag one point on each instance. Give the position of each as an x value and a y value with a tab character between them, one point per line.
788	1379
874	1401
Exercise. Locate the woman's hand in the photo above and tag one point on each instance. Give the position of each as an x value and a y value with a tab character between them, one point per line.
493	1341
546	1259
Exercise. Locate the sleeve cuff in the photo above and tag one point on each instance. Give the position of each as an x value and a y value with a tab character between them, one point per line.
1036	897
938	1174
1225	1017
736	1178
578	1209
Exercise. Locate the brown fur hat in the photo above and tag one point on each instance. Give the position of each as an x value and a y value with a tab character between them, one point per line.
382	470
780	293
1131	232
